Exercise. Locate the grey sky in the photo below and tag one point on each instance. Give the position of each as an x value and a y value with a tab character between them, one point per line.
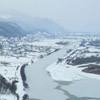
74	15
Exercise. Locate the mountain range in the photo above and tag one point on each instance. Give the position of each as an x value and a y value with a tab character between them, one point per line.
16	24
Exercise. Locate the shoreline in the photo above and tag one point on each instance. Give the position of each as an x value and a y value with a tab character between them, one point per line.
24	79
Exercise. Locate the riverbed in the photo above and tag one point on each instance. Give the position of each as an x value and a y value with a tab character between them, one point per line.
42	87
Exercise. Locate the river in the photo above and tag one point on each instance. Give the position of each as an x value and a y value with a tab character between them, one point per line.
42	87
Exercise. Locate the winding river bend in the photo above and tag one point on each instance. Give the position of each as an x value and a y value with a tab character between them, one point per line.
42	87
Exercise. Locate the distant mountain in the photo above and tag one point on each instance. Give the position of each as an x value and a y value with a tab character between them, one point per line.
32	25
10	29
45	25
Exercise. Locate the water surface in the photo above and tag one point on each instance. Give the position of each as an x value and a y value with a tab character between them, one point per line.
43	87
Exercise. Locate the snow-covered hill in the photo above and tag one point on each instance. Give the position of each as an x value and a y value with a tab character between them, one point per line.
34	24
11	29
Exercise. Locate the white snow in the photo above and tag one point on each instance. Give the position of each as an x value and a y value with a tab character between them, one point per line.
7	97
59	72
62	72
65	72
20	87
13	60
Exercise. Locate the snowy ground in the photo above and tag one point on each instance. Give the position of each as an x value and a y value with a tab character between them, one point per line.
7	97
63	71
11	73
10	66
59	72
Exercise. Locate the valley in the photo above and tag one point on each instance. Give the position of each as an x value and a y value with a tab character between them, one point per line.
47	64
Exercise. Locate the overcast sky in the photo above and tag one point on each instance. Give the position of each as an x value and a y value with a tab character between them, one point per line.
74	15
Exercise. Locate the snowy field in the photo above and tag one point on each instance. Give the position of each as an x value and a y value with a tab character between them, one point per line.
42	54
62	71
10	63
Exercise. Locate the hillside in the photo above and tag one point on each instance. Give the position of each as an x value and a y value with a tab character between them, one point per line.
10	29
33	24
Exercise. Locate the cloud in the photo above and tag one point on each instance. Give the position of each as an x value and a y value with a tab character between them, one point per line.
75	15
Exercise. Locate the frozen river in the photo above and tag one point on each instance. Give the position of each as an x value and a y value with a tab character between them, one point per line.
42	87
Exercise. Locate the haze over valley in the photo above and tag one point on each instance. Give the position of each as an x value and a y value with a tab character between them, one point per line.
49	50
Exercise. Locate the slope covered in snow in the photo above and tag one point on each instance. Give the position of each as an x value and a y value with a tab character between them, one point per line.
36	25
11	29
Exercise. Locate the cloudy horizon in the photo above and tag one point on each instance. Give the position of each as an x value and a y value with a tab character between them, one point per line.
74	15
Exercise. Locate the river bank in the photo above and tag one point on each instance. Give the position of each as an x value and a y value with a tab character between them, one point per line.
41	85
